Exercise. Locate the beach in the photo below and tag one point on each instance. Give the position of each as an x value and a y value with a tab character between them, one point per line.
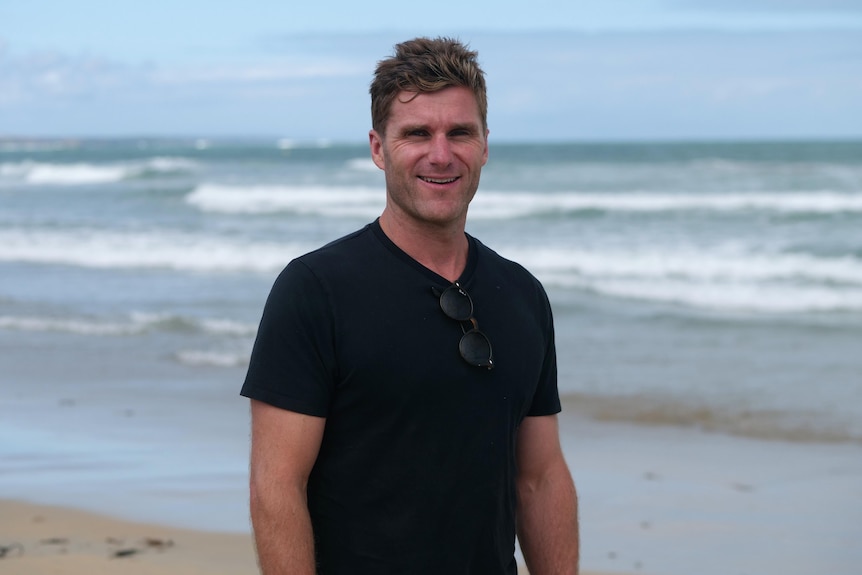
42	540
707	304
656	500
699	505
684	501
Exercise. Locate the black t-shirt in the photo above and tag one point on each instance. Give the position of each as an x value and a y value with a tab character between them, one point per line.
416	469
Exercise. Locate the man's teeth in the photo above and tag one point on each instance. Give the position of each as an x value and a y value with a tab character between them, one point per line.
439	181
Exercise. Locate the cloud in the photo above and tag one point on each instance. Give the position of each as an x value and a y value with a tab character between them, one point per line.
565	85
51	76
272	72
54	74
52	93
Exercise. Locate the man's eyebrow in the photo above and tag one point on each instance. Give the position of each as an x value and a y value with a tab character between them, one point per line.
472	127
413	128
469	126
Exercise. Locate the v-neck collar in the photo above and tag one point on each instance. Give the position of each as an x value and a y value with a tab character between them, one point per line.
463	279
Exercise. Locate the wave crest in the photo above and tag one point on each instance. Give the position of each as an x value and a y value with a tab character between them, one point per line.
155	249
136	323
74	174
489	205
715	279
311	200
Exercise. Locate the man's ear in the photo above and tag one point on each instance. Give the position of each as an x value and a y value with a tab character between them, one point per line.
375	142
485	155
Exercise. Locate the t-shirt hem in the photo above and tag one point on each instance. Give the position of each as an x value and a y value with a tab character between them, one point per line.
282	401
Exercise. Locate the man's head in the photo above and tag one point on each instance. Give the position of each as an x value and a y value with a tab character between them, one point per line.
425	65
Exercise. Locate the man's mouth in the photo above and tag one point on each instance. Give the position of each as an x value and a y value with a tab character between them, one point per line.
437	180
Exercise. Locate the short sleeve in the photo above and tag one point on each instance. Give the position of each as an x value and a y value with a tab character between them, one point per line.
292	364
546	401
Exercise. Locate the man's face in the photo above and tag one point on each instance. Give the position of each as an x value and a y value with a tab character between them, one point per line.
433	152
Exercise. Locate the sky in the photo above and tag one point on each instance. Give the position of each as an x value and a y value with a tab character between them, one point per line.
563	70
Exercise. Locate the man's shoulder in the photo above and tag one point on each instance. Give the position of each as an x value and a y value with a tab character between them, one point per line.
339	262
492	260
337	252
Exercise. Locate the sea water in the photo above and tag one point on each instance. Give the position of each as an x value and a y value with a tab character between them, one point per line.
696	286
714	284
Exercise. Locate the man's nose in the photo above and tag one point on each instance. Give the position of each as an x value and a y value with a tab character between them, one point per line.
441	150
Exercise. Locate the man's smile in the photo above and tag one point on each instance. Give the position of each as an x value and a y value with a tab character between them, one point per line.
438	180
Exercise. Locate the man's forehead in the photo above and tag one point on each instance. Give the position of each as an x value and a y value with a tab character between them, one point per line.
455	105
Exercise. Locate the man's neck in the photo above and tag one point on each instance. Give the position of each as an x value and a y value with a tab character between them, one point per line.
443	250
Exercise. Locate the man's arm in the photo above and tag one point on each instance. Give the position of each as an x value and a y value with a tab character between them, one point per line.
547	501
284	447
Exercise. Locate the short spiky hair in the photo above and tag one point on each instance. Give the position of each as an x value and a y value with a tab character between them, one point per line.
425	65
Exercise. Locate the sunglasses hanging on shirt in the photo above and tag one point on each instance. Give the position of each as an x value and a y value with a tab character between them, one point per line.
475	347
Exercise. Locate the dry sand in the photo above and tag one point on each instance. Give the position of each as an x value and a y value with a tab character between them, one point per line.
42	540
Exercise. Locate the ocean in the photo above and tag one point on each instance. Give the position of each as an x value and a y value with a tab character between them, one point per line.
707	288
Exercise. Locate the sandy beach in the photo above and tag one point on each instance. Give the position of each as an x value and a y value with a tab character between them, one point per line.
44	540
167	486
654	501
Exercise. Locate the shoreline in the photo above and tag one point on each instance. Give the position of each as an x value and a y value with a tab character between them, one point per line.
171	463
732	504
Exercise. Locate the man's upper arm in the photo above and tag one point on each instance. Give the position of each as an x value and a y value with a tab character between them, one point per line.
538	447
547	500
284	448
284	445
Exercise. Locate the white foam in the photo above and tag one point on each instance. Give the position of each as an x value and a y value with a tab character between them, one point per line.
363	165
716	264
15	170
728	276
169	164
72	174
492	205
366	202
55	174
731	279
312	200
228	327
137	323
156	249
734	296
69	325
208	358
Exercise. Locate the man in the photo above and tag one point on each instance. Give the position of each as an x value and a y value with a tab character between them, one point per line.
403	381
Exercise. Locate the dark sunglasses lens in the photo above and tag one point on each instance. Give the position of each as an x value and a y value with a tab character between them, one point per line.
476	349
456	304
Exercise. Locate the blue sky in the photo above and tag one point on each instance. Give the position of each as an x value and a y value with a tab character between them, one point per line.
557	70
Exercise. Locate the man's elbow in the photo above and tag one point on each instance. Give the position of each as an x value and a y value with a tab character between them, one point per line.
554	475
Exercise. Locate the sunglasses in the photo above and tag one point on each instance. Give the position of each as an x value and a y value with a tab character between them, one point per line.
475	347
